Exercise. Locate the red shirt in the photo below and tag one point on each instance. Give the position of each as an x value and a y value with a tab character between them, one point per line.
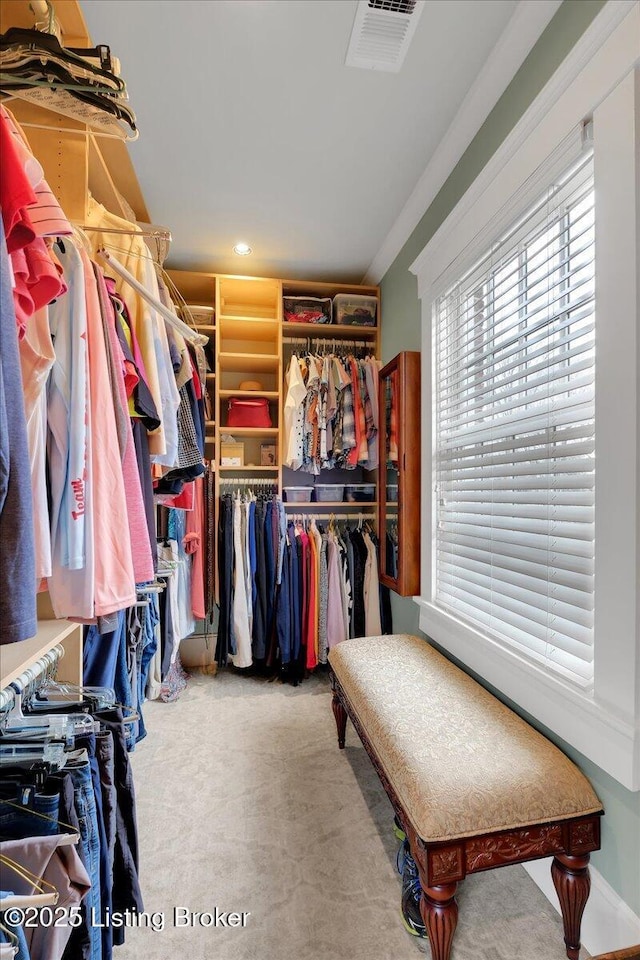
16	192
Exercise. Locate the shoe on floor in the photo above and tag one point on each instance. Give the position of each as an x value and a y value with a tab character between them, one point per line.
411	894
397	829
403	853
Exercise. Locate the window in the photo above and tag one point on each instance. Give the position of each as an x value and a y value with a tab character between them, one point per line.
530	435
514	434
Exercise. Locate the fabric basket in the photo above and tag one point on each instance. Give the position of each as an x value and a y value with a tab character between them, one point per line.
245	412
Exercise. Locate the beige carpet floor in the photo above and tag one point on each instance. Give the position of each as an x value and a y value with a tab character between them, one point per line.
245	803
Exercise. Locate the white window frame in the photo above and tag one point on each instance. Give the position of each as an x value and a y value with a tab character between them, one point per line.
604	722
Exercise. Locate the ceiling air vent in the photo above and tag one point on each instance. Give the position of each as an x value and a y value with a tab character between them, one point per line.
382	32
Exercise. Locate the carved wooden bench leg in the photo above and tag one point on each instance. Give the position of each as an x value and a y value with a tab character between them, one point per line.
340	714
573	883
440	915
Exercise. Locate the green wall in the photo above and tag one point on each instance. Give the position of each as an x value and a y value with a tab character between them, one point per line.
619	860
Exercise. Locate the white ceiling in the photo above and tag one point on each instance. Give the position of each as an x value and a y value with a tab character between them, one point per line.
252	127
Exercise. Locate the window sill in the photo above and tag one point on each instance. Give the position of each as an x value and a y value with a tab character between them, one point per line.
609	739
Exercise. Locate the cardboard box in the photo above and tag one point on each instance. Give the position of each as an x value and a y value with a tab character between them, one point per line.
231	454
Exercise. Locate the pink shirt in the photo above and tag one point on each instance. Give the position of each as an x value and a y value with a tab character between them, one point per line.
138	530
194	541
114	576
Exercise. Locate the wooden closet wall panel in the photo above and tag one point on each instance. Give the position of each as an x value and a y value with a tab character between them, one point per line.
61	145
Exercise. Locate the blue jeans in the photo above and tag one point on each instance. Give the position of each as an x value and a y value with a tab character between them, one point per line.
88	743
25	822
146	653
79	768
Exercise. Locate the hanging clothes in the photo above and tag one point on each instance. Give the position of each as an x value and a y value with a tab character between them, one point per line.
330	413
17	556
242	656
309	587
133	254
111	402
250	555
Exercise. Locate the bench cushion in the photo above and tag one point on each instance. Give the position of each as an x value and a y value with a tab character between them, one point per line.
460	761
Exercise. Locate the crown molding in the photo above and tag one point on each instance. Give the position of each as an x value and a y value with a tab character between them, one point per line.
581	56
518	38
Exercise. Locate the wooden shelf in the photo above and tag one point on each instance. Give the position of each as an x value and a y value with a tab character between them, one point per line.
250	431
249	328
333	505
211	376
205	327
319	288
248	469
249	296
16	657
249	362
268	394
198	287
329	331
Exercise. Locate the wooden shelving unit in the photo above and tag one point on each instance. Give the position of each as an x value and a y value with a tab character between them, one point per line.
248	336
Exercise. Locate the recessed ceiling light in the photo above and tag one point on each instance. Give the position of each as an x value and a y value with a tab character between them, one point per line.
242	249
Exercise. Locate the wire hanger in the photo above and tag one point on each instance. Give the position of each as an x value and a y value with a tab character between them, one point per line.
65	839
11	947
24	901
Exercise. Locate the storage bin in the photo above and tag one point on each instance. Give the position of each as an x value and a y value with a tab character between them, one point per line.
360	492
198	314
231	454
354	309
392	493
307	309
298	494
327	492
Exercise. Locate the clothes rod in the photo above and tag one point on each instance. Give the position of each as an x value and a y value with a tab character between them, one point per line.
160	233
40	8
312	343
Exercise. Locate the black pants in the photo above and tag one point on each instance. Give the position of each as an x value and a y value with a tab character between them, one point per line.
126	885
225	579
259	637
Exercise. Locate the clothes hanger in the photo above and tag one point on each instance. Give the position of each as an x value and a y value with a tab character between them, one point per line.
46	46
23	902
11	948
66	839
59	82
14	723
54	692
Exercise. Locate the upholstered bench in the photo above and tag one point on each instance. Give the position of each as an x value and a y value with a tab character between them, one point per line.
473	785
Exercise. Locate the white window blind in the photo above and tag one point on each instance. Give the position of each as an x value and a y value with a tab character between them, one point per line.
514	434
